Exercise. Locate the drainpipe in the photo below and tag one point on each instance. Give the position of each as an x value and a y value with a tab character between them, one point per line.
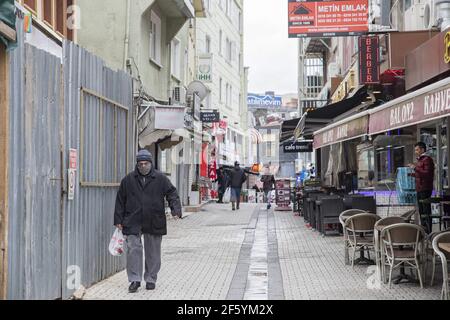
443	9
127	35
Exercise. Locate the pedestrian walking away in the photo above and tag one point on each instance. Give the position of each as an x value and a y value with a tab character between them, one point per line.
268	181
222	180
140	214
424	174
237	178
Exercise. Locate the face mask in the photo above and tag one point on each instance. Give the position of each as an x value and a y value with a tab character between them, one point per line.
144	168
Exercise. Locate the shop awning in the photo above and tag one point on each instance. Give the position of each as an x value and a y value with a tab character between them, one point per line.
7	22
346	129
426	104
320	117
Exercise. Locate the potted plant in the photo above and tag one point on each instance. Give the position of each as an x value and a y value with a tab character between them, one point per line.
194	198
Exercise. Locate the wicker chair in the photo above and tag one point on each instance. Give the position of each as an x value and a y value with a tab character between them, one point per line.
328	213
403	243
342	217
379	225
441	238
359	229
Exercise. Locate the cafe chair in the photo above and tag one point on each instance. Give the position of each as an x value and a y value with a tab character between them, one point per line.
359	229
432	253
403	243
342	217
379	226
443	237
328	213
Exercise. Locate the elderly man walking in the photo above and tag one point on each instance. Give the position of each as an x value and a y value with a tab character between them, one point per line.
237	179
140	214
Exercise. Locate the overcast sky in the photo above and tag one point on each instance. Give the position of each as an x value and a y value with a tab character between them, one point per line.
270	54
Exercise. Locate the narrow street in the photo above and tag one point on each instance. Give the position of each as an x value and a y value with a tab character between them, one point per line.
254	254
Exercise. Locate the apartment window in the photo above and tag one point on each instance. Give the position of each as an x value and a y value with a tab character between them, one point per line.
228	49
208	44
240	21
227	88
48	6
31	4
220	90
60	14
175	61
220	41
186	63
155	38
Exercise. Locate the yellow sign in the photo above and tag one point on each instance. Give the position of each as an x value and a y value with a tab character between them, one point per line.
447	48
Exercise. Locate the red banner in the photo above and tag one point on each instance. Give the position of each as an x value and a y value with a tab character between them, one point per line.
328	18
369	60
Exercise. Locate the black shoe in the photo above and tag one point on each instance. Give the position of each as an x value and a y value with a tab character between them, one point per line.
150	286
134	287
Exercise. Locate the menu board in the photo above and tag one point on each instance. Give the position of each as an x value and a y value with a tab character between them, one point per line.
283	194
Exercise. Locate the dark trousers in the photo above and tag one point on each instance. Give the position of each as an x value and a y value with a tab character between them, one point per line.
221	193
425	210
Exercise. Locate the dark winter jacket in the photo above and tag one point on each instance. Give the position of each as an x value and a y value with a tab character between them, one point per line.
424	173
237	177
268	182
141	207
222	180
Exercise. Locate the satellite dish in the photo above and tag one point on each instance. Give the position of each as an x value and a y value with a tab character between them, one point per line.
199	88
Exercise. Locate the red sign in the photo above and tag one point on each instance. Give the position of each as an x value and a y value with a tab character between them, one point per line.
328	18
369	60
427	104
204	162
73	159
213	170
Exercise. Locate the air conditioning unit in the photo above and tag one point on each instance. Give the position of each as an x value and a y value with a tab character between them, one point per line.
333	69
179	95
414	15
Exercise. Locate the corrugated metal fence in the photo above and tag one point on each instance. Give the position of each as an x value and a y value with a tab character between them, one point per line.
55	244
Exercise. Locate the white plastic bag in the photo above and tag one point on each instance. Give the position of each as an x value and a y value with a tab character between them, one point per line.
227	195
116	243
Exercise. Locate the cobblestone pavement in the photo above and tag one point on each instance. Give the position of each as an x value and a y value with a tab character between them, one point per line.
211	255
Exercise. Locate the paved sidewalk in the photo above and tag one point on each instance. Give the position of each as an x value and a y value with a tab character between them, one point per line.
313	268
199	258
251	253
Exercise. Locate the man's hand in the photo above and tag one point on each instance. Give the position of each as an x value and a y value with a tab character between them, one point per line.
412	166
119	226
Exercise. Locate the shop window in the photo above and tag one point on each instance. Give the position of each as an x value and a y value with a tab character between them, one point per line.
388	160
366	166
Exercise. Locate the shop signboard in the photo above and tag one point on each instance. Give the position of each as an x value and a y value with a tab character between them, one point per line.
426	104
342	132
369	60
328	18
256	101
169	118
210	117
298	146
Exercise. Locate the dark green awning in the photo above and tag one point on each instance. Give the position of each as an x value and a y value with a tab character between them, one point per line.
7	21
